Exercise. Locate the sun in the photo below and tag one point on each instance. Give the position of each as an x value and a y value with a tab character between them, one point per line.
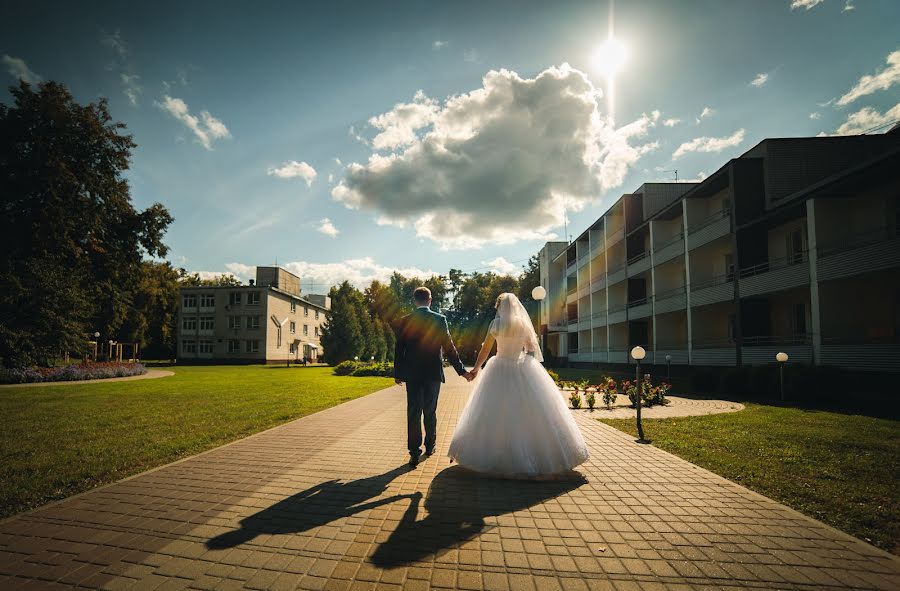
610	57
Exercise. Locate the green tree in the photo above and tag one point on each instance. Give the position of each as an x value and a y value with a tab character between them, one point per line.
342	333
223	280
66	222
152	320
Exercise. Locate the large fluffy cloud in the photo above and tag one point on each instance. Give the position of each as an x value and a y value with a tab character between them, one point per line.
709	144
497	164
867	119
206	128
868	84
319	277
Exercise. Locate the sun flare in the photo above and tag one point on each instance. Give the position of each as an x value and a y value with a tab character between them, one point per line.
611	57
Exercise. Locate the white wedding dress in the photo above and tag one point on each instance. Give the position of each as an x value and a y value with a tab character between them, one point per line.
516	424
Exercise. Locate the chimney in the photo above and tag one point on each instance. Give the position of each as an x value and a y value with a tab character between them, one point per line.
251	282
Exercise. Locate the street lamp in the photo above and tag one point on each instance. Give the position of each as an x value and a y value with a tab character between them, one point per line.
96	344
637	354
538	294
781	357
669	368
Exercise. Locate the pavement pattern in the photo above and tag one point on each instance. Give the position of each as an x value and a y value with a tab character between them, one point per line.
327	502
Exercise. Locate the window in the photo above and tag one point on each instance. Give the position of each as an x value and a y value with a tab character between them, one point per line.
189	300
234	346
207	323
293	327
293	347
252	298
306	330
188	346
208	300
306	310
253	322
206	346
188	324
317	314
234	298
252	346
293	307
234	322
317	331
798	319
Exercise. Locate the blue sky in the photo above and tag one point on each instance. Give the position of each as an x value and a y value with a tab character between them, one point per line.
234	107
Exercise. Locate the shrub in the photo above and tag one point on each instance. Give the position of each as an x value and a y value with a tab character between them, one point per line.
575	399
591	398
345	368
554	375
73	372
382	369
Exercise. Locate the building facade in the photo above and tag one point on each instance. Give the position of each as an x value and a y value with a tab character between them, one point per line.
266	321
793	246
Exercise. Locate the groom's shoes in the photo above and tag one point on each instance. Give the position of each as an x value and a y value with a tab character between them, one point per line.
413	461
429	452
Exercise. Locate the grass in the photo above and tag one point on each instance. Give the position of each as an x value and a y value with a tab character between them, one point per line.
842	469
59	440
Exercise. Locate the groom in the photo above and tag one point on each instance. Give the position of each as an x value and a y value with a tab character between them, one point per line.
422	338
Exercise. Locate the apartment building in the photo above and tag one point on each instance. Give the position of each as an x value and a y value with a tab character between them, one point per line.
794	246
266	321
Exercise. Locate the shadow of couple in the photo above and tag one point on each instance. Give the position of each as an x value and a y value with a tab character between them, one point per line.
455	508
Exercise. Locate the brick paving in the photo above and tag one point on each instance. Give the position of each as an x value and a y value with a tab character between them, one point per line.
326	503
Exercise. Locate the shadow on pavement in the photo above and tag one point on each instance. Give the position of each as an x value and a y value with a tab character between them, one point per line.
457	504
316	506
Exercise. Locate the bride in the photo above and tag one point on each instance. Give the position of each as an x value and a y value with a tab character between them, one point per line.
516	423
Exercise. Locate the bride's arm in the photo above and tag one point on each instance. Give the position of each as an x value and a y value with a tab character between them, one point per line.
486	347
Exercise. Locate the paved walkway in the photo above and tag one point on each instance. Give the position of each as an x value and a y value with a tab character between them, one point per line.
326	502
677	407
151	374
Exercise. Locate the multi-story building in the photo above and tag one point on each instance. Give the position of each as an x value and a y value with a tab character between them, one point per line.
266	321
794	246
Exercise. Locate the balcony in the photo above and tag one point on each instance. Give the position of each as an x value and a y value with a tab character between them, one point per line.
638	263
598	318
707	230
615	235
670	300
678	352
598	282
775	275
584	322
861	354
615	274
714	352
761	350
714	289
617	314
639	308
875	250
668	249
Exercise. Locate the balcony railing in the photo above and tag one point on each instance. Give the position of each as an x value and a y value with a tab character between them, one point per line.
713	343
724	213
584	317
572	289
857	240
669	293
598	278
638	257
668	242
772	264
797	339
618	308
615	268
572	320
573	350
712	281
638	302
599	314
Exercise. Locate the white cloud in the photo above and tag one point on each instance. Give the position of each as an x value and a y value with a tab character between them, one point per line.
848	6
499	164
709	144
292	169
671	122
706	113
760	79
132	89
501	266
398	126
807	4
19	70
815	115
330	178
472	56
213	274
206	128
359	272
868	84
867	118
338	162
439	44
327	228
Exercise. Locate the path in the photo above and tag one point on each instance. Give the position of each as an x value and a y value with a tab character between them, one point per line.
326	502
151	374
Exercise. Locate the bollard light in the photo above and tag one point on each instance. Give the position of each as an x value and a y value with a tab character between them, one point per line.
538	293
669	368
637	354
781	357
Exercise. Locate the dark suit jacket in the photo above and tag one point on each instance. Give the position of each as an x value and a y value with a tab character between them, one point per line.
423	337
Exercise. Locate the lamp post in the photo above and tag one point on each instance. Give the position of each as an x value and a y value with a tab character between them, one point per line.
96	344
538	294
669	369
781	358
637	354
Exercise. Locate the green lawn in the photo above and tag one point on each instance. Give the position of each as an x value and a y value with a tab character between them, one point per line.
842	469
60	440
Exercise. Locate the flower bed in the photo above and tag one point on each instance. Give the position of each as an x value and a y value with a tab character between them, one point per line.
609	390
69	373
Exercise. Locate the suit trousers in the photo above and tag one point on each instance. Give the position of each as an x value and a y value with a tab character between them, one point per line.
421	399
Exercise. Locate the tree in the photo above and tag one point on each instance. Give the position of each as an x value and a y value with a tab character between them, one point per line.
153	317
223	280
342	335
71	240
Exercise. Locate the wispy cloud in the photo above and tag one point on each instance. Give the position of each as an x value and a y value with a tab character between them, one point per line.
671	122
472	56
131	86
359	272
294	169
439	44
806	4
815	115
868	84
848	6
760	79
706	113
115	42
205	128
19	70
327	228
709	144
